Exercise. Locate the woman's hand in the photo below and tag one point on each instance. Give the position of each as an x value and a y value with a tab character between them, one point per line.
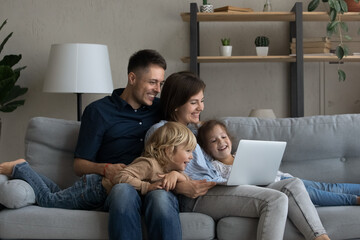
194	188
170	179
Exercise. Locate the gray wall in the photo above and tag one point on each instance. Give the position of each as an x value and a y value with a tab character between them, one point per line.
126	26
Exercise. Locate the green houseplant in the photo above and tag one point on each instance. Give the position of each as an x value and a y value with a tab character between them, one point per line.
8	77
206	7
336	26
262	45
225	48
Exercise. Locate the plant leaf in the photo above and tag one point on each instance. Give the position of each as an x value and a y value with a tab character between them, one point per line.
342	75
17	72
333	14
337	6
313	5
332	3
15	92
12	106
343	5
10	60
339	52
331	28
4	42
347	37
3	24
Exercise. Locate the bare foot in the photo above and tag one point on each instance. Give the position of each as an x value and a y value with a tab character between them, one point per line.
6	168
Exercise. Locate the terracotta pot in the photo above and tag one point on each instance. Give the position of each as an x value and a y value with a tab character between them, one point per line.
353	6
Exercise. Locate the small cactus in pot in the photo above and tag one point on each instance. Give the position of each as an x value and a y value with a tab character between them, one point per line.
262	41
262	45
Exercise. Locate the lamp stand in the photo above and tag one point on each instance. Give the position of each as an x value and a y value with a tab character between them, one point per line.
79	106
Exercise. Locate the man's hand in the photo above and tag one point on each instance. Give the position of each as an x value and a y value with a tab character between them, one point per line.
194	188
154	186
111	170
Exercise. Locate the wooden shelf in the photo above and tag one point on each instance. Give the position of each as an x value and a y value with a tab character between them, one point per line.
266	16
279	58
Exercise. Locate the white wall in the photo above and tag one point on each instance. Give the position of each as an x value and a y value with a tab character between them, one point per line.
126	26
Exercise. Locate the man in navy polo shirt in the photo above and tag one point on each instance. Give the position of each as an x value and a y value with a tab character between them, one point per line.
112	135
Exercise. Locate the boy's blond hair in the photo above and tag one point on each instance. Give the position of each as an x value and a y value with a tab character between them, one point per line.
169	136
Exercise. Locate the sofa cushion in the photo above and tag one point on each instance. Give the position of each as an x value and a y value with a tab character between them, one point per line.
312	142
16	194
36	222
50	145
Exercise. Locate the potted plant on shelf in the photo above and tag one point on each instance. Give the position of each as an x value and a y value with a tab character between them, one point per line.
225	49
336	25
206	7
262	45
8	77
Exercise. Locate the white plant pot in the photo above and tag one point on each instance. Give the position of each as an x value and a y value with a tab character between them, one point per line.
207	8
262	51
225	51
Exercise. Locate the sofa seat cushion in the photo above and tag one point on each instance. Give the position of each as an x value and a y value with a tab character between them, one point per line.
340	223
36	222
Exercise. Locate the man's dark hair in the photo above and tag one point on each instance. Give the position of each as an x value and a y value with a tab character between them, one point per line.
143	58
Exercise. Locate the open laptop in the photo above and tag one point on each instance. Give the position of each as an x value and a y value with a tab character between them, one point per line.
256	162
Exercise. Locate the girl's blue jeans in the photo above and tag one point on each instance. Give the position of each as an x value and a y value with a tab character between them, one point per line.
332	194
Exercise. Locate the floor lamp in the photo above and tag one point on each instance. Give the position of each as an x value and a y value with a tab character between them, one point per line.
78	68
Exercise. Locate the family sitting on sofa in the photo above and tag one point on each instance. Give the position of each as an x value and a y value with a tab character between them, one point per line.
121	178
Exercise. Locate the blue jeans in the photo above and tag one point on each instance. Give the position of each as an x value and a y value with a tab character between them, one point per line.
87	193
125	206
332	194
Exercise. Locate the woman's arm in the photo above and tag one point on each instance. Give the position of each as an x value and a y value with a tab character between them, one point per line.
193	188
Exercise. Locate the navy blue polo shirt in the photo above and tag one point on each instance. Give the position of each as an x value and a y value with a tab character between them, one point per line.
112	131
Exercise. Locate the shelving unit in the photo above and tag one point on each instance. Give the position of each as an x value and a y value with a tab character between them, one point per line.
295	17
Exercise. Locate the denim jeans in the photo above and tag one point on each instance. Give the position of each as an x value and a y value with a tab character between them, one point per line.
87	193
125	207
332	194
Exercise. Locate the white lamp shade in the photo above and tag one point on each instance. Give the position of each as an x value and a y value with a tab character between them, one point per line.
262	113
78	68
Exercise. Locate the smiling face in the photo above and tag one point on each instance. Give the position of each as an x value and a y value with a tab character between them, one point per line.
145	85
218	143
180	157
190	111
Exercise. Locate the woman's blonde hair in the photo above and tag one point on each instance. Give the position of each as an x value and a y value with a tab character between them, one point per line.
169	136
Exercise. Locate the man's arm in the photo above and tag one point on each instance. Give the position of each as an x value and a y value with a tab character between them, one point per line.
193	188
83	166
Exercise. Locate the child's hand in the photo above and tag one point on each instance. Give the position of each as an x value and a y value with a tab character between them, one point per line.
169	180
154	186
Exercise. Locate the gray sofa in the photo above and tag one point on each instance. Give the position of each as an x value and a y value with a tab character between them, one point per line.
324	148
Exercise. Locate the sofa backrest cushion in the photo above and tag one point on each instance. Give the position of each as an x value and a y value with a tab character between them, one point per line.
49	148
323	148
